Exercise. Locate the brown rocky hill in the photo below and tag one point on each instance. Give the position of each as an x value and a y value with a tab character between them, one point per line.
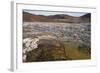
86	17
28	17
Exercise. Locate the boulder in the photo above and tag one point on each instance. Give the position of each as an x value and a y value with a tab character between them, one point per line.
48	50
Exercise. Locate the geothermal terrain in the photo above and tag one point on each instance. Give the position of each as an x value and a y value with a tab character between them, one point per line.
55	38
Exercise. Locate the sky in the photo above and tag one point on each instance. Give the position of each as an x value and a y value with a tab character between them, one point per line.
47	13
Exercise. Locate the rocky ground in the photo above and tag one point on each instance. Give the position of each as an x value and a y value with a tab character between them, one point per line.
56	41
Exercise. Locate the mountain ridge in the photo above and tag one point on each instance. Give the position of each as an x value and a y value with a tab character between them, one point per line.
28	17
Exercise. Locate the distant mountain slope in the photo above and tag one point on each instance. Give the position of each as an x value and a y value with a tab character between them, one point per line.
86	17
28	17
31	17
